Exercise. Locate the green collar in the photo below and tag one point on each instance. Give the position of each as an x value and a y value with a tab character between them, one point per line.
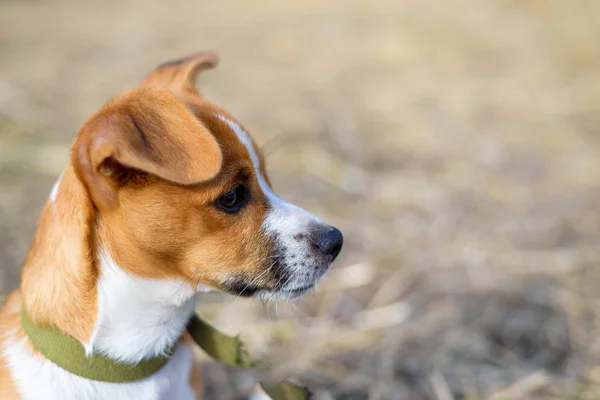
69	354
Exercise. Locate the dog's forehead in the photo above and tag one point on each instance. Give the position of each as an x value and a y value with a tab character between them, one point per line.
235	141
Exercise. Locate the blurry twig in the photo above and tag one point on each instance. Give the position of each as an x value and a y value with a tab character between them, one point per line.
277	143
525	386
352	276
395	287
383	317
440	386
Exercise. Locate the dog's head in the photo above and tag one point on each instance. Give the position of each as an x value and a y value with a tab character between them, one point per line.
181	191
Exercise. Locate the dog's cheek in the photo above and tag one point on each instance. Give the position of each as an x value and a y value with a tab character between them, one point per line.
229	249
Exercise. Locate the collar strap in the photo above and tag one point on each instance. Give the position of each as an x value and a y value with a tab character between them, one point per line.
69	354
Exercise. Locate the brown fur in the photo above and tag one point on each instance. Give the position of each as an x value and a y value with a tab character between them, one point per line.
147	130
179	76
9	322
143	177
59	276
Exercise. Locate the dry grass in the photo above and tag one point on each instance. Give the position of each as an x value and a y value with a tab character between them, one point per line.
455	144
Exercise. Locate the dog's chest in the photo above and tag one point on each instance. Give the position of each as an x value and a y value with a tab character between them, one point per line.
39	379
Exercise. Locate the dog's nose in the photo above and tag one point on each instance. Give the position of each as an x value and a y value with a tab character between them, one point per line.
329	241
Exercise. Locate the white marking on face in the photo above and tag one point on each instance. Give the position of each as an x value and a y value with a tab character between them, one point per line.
284	221
137	317
54	190
247	142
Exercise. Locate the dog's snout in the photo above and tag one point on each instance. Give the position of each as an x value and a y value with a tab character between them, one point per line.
329	241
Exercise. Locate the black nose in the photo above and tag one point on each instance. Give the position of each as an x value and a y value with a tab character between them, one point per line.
329	240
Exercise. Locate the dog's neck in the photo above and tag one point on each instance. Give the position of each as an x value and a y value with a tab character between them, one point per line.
137	318
70	280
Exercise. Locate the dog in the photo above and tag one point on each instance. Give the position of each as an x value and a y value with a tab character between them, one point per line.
165	195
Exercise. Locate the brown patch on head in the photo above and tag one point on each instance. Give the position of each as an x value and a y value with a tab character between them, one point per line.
155	165
147	130
165	230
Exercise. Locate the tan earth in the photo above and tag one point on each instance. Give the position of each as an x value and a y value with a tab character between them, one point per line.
455	143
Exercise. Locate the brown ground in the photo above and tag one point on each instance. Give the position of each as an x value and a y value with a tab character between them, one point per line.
455	143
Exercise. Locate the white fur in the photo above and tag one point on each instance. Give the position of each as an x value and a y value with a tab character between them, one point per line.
284	220
137	318
54	190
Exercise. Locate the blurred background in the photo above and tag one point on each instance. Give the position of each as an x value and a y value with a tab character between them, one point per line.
454	143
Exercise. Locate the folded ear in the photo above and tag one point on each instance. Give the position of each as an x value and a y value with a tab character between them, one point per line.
146	130
179	76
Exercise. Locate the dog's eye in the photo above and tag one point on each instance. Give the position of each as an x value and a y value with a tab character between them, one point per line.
233	200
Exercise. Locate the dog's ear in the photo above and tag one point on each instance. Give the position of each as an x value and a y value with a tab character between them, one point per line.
146	130
179	76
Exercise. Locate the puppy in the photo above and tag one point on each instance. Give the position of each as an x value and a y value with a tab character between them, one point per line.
165	194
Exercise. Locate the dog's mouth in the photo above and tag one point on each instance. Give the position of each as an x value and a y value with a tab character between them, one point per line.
297	292
286	280
242	288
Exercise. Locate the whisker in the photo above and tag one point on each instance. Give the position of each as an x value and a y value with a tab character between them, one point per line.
287	281
256	279
185	282
196	290
275	144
